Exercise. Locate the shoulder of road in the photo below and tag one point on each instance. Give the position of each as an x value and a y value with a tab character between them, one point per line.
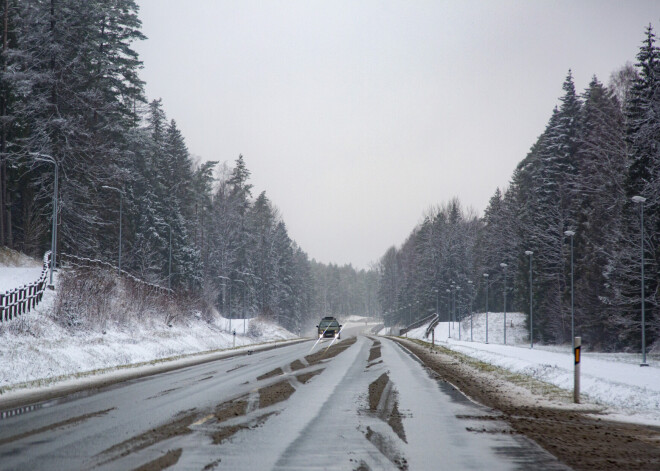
42	390
579	435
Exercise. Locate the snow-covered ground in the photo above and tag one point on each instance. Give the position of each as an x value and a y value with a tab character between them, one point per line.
613	380
35	349
13	277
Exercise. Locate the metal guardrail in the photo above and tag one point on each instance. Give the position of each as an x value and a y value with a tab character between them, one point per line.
416	324
82	262
21	300
431	326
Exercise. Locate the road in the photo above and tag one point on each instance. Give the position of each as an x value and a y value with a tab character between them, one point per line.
362	403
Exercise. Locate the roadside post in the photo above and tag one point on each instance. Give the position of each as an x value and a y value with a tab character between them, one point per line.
576	381
234	335
433	338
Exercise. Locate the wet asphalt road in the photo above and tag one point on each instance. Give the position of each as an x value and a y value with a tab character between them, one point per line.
371	406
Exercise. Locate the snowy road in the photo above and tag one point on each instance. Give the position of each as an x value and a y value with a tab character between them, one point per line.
362	404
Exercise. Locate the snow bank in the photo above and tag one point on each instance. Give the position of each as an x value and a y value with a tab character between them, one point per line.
36	347
615	380
17	269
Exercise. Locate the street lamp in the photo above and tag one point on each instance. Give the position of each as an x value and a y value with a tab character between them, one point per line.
531	316
453	305
121	202
53	244
471	298
504	265
486	275
457	314
571	234
448	314
641	200
169	265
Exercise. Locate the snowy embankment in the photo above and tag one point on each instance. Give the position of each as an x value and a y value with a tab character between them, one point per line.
614	380
35	349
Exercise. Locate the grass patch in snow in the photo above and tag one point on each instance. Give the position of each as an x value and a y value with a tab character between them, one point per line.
535	386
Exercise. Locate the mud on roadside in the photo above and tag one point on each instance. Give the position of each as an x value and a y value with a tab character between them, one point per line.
579	440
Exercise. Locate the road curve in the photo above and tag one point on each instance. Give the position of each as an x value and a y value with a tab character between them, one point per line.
361	403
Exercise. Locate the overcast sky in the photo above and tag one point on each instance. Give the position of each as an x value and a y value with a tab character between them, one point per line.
357	116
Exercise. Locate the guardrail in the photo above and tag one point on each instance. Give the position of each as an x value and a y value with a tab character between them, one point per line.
82	262
431	326
416	324
21	300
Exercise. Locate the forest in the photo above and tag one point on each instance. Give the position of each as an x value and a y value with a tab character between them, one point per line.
71	97
571	214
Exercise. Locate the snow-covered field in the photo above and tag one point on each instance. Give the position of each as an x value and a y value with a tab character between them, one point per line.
614	380
35	349
13	277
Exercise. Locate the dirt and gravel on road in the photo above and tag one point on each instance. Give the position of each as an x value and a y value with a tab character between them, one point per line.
579	435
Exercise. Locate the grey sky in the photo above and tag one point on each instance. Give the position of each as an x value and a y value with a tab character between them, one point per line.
357	116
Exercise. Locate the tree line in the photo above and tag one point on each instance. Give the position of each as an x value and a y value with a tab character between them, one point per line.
598	150
70	94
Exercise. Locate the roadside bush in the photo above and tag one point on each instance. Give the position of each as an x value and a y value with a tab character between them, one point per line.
96	298
256	328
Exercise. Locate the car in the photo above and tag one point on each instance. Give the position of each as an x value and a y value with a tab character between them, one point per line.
329	327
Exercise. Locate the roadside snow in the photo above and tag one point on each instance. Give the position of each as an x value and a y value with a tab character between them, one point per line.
13	277
17	270
35	348
631	392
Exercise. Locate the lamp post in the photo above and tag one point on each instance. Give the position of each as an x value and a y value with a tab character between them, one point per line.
486	275
504	265
531	316
121	203
53	243
448	314
169	264
453	305
571	234
471	298
641	200
457	314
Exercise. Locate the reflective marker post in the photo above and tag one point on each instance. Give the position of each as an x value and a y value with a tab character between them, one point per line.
576	380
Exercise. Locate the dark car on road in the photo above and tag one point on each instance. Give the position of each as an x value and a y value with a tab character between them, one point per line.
329	327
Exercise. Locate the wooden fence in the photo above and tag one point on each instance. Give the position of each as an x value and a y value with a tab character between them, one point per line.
21	300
